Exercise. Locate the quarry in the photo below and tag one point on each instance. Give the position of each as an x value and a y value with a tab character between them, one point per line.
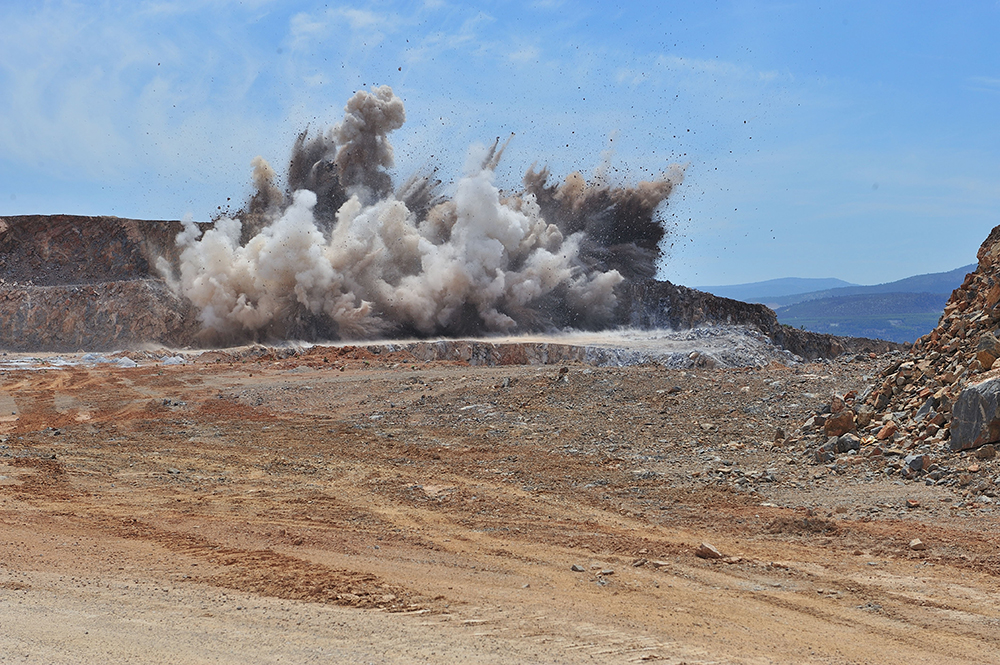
645	495
360	422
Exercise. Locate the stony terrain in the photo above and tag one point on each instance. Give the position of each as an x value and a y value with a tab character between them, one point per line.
928	413
332	503
698	496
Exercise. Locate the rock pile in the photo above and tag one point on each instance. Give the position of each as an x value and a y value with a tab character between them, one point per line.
937	406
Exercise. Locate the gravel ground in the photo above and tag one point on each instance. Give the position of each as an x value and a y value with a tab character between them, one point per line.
332	503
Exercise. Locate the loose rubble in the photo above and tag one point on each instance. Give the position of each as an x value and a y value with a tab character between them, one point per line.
933	408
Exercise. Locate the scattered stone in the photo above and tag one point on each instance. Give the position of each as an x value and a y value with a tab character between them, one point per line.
576	568
918	545
912	503
708	551
887	431
846	443
917	462
839	423
987	452
606	572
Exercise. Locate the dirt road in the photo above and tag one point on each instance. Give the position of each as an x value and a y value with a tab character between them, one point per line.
338	506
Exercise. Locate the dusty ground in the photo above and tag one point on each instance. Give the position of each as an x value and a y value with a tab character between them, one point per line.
336	506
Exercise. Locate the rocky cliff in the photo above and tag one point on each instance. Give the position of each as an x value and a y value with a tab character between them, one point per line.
69	283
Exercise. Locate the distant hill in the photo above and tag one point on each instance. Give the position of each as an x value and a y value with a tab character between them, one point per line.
774	288
899	311
938	282
789	290
897	317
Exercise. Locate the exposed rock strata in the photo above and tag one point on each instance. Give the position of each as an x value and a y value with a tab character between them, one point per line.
70	282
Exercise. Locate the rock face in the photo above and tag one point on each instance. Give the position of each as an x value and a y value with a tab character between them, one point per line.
656	304
92	316
70	283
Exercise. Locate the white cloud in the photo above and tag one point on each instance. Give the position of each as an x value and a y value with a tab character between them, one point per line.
303	29
984	83
525	54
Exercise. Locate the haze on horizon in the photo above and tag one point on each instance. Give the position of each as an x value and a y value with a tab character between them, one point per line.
849	141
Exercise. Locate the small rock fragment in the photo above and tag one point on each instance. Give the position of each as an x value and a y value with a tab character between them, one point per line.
988	451
708	551
918	545
576	568
887	431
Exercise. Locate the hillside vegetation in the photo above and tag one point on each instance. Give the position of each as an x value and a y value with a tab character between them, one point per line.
897	317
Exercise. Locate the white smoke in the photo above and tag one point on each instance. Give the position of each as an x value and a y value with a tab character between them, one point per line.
475	263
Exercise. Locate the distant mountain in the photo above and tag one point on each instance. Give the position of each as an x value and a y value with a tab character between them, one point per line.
938	282
897	317
789	290
773	288
899	311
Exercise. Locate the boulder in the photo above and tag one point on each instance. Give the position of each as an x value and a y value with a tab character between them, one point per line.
839	423
846	443
976	415
987	350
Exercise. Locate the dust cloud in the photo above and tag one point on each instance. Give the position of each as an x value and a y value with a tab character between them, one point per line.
345	255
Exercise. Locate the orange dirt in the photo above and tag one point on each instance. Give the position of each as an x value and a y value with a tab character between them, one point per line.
341	506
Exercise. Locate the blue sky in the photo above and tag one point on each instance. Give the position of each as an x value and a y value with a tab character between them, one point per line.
855	140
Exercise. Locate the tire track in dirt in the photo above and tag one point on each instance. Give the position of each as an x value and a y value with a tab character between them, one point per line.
264	572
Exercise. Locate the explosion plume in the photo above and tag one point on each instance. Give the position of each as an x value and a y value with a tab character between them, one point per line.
345	256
